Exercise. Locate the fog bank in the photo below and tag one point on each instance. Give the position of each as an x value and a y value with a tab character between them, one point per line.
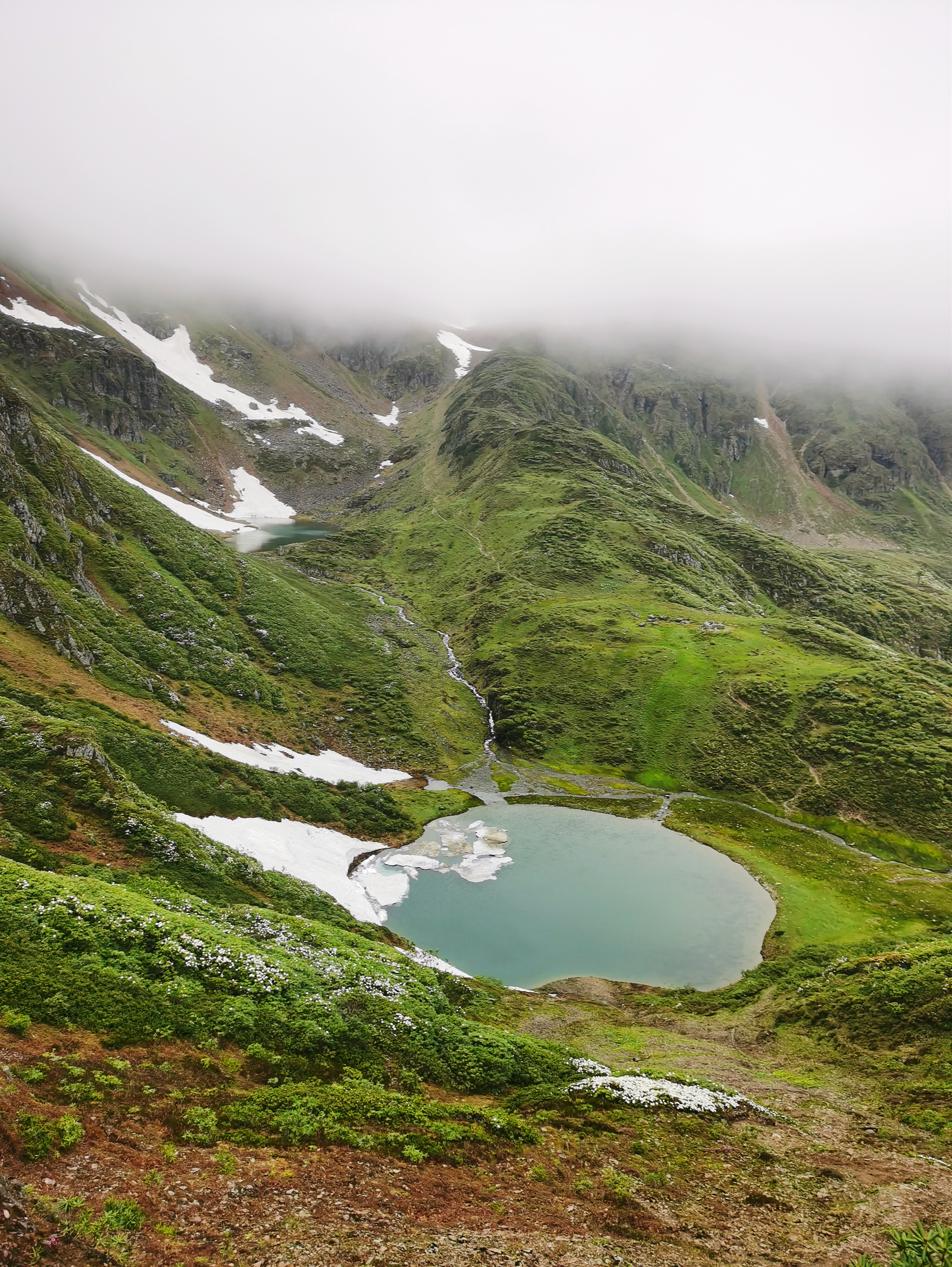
776	173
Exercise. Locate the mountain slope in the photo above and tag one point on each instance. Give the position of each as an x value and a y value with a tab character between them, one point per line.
616	626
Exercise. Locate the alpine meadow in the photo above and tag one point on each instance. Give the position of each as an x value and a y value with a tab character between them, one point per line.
476	635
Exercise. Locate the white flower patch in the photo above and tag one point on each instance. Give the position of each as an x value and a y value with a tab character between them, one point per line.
582	1065
244	970
462	350
643	1092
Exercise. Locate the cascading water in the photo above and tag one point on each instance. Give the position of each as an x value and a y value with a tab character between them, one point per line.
456	673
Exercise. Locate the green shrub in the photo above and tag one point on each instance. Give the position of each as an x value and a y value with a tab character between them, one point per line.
42	1136
15	1022
921	1246
200	1125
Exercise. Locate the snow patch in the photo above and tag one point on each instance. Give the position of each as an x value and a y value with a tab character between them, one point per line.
319	855
426	960
174	356
462	350
255	501
644	1092
390	419
20	310
185	510
762	422
323	433
385	463
330	766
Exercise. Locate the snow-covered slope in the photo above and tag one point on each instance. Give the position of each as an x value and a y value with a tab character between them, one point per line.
185	510
319	855
175	357
462	350
255	501
332	767
20	310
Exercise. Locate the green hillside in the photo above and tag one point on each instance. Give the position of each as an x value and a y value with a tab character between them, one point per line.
207	1061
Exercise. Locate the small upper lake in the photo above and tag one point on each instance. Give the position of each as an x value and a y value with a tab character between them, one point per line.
269	535
585	894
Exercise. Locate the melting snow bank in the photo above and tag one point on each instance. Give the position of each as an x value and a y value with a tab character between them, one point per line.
20	310
255	501
324	433
426	960
174	356
390	419
762	422
330	766
476	853
644	1092
185	510
318	855
462	350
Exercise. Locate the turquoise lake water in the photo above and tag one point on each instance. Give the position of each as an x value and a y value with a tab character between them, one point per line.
590	894
269	536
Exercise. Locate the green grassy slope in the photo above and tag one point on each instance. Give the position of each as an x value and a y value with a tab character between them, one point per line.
617	627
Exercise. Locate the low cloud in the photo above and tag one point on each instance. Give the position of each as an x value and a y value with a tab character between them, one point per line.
775	173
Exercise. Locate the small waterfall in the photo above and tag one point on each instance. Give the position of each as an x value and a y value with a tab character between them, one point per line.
456	673
455	669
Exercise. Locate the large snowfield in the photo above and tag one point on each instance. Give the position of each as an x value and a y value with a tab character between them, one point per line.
319	855
20	310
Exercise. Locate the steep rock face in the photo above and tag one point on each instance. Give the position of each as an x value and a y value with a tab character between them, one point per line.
704	425
38	497
99	380
397	366
869	446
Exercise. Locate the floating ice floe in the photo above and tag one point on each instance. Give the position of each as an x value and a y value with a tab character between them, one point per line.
175	357
323	433
762	422
462	350
390	419
476	853
190	511
318	855
644	1092
255	501
330	766
20	310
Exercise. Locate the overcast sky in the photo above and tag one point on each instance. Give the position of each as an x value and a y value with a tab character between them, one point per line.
775	169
